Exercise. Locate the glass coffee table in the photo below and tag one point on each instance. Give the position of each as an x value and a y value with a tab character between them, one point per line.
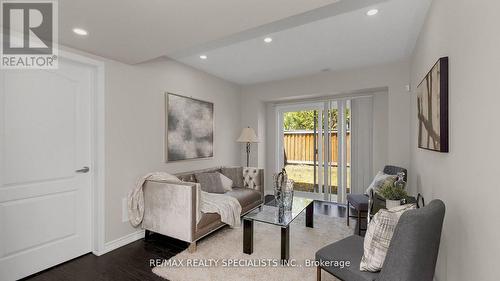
271	215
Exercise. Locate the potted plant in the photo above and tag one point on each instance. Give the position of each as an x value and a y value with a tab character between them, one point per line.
392	194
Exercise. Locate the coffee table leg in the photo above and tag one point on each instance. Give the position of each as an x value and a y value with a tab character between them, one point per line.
310	215
247	236
285	243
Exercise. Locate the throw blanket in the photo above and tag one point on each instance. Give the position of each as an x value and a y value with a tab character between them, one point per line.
136	196
226	206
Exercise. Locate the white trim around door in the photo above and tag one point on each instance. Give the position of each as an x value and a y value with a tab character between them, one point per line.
98	149
323	150
52	141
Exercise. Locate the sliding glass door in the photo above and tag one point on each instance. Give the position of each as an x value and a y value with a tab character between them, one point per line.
313	147
300	147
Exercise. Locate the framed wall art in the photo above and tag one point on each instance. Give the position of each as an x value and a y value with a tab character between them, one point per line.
432	108
189	128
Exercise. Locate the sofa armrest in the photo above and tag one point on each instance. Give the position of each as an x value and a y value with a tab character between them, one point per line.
171	208
254	178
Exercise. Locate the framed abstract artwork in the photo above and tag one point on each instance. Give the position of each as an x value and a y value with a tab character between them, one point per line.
189	132
432	108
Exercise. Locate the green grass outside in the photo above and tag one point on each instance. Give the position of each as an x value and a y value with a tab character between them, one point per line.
303	176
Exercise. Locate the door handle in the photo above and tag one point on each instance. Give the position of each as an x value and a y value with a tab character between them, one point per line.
83	170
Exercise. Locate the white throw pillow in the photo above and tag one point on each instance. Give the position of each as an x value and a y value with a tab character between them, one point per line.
377	182
227	183
378	237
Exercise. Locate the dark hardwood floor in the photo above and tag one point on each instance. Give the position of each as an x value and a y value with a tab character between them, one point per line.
131	262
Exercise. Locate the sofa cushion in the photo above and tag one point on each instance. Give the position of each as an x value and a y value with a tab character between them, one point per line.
208	223
208	219
245	196
348	249
248	199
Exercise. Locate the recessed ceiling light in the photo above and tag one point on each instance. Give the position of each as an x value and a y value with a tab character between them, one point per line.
203	57
372	12
268	39
81	32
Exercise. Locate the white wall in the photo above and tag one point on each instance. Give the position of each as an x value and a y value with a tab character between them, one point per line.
392	78
466	178
135	126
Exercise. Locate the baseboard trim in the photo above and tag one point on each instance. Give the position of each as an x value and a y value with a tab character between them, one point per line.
120	242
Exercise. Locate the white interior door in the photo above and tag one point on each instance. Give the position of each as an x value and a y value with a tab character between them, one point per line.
45	137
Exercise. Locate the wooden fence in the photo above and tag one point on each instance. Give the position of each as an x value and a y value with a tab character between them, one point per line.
299	147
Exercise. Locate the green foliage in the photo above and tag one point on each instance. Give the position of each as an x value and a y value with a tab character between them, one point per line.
299	120
304	120
391	192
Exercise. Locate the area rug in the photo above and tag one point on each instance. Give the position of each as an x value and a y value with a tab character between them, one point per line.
220	256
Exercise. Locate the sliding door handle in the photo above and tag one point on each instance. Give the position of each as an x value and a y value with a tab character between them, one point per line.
83	170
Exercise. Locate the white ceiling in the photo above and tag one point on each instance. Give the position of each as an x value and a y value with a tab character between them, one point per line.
346	40
134	31
308	35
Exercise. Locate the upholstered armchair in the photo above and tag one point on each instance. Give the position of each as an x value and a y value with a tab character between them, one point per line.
411	256
360	201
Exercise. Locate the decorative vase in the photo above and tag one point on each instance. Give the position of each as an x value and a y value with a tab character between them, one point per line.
288	196
283	191
389	204
279	182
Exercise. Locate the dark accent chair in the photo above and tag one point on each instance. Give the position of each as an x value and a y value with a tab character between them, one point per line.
360	201
411	256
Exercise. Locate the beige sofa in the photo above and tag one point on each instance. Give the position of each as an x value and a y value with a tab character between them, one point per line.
172	208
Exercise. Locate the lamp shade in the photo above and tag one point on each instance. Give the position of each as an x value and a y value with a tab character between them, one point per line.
248	135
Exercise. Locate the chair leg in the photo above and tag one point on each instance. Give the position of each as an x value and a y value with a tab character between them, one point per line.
348	213
359	222
318	273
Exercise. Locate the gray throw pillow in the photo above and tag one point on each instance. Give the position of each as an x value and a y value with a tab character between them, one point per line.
210	182
235	174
